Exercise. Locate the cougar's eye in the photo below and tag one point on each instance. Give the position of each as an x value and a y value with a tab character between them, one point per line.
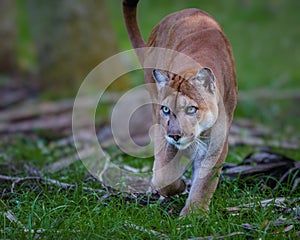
191	110
165	110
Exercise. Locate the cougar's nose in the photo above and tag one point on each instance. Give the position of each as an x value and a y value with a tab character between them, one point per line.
175	137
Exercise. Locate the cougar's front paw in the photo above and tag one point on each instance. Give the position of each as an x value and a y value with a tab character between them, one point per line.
194	207
172	189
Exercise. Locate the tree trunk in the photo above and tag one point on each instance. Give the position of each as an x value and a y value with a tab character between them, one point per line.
72	37
8	36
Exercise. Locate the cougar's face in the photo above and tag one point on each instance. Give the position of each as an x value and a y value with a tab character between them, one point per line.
183	119
188	105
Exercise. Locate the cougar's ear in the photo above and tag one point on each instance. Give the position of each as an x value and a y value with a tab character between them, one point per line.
160	78
206	77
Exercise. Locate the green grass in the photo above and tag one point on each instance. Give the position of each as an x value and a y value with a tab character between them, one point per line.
77	214
50	212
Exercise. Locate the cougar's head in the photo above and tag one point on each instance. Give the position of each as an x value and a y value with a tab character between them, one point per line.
188	105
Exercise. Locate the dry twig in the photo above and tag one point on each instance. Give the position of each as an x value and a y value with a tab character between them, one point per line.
218	237
48	181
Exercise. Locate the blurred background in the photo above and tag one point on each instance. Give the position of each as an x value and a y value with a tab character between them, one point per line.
48	47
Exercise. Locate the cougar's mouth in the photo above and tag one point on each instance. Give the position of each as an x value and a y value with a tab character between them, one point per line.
181	143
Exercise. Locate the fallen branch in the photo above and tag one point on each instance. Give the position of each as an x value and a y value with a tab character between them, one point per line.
31	111
218	237
273	168
264	203
12	97
277	223
48	181
150	232
58	122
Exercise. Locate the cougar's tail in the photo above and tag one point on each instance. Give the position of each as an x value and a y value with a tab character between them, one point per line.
129	12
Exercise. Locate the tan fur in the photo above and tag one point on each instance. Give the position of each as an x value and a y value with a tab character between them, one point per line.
213	92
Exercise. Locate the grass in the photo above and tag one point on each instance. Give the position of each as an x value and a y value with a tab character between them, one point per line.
78	215
50	212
